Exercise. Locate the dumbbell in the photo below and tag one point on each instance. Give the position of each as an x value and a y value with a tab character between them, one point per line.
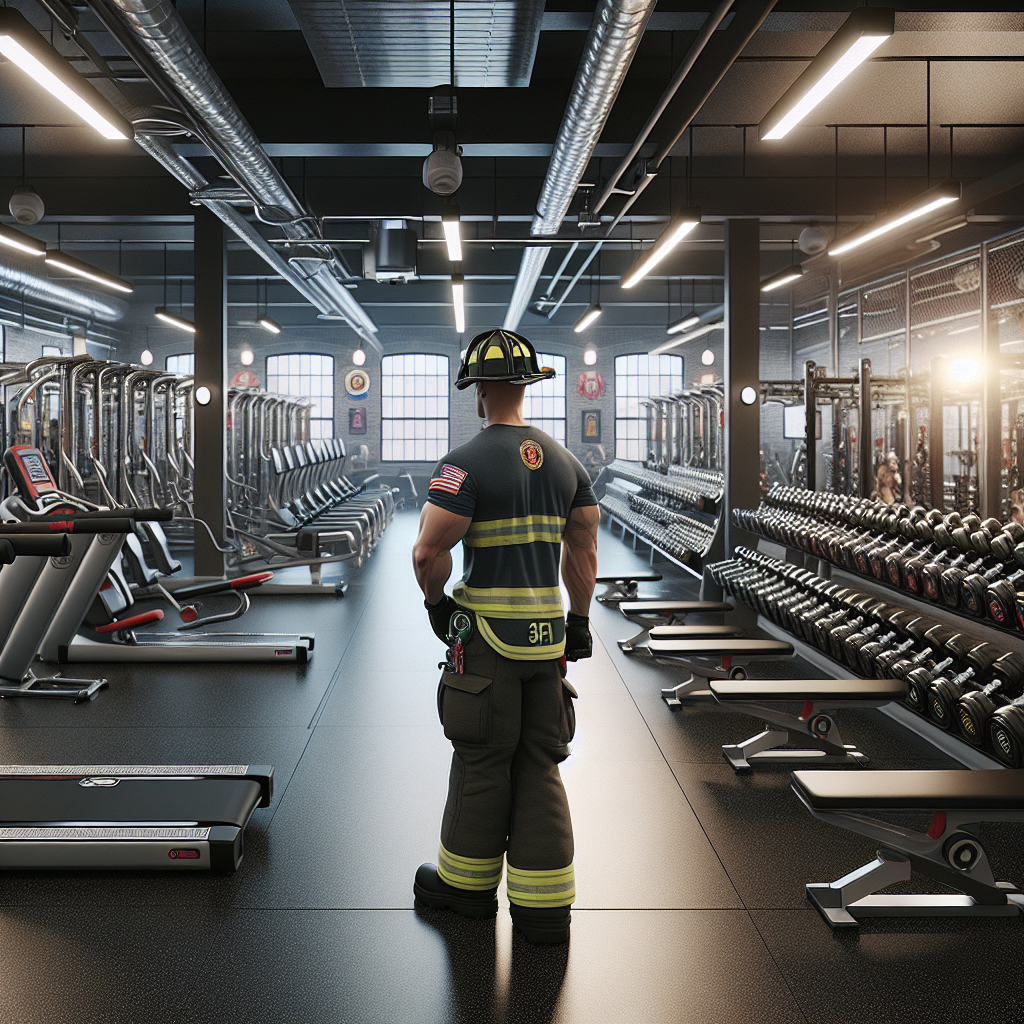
944	692
974	590
1004	733
954	574
885	659
1001	599
850	647
973	709
918	679
865	654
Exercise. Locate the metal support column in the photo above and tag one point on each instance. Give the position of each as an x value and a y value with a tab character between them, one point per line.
211	371
865	438
936	444
742	370
833	321
990	462
810	426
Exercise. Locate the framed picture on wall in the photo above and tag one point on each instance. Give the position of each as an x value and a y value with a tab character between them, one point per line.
591	426
357	421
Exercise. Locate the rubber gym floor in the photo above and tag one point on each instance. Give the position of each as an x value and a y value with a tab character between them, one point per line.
690	878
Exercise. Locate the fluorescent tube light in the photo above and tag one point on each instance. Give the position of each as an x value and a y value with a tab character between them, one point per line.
678	228
268	323
860	35
173	320
19	240
62	261
933	199
787	276
683	325
699	333
592	313
22	45
450	224
459	302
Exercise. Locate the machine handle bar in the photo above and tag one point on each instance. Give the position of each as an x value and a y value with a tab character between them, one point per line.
141	515
106	524
48	545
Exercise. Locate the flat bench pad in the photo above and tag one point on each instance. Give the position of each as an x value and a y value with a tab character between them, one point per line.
946	790
656	607
808	689
721	648
693	632
640	577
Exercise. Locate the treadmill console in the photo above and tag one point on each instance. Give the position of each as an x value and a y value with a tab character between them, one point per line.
30	473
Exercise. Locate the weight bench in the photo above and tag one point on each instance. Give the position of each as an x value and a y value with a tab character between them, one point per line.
666	613
623	587
949	852
808	716
691	653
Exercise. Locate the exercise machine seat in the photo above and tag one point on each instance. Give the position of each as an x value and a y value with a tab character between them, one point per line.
817	690
722	648
688	632
654	606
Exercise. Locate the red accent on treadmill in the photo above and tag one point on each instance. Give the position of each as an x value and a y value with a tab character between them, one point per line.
938	825
189	613
132	621
726	662
62	526
183	854
808	708
244	582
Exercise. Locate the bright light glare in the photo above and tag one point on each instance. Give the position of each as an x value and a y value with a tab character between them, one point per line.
453	238
587	319
268	323
965	371
245	357
203	395
17	54
669	239
589	357
786	278
847	63
459	302
890	225
358	357
683	325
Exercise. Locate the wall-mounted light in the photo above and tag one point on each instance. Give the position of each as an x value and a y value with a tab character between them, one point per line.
589	357
173	320
22	45
748	396
245	357
146	358
358	357
782	278
459	302
858	37
593	312
62	261
683	325
450	225
939	196
678	228
707	357
203	395
15	239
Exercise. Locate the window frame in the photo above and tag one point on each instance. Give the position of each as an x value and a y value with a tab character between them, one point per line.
429	385
636	439
531	395
181	355
319	426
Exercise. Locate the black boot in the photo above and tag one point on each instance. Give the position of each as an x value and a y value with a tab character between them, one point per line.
434	892
543	926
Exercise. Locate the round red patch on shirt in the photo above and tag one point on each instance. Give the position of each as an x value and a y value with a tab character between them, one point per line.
532	454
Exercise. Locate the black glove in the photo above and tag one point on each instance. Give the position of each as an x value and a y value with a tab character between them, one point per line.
441	615
578	642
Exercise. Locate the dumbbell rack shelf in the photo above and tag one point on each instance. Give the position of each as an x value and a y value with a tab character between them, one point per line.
639	538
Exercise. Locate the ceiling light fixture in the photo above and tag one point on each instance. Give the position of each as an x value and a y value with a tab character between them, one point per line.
858	37
62	261
593	312
450	225
15	239
683	325
689	336
459	302
358	357
21	44
146	358
784	277
678	228
589	357
173	320
246	357
268	323
939	196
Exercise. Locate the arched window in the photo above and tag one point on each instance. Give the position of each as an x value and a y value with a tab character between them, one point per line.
183	363
544	402
638	377
414	407
309	375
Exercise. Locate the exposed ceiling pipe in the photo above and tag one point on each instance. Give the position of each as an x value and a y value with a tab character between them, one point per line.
155	37
614	35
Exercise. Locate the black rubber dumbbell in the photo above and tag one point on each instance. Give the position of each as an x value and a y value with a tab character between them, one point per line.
918	678
1004	733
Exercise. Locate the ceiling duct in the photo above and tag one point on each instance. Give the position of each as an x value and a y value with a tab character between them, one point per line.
367	43
155	37
614	35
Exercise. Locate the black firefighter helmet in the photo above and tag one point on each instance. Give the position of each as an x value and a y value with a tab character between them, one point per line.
501	355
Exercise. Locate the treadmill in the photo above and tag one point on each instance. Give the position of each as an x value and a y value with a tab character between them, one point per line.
132	817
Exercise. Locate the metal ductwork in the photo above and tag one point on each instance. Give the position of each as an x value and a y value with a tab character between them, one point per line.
155	37
614	35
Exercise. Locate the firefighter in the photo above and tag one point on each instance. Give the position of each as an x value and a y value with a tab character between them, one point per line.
523	506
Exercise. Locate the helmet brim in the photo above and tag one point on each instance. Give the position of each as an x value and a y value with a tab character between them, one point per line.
519	378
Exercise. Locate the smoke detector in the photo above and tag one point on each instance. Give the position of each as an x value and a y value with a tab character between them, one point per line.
442	170
26	207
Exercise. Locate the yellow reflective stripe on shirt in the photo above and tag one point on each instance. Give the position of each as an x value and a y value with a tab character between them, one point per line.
555	888
519	653
510	602
468	872
492	533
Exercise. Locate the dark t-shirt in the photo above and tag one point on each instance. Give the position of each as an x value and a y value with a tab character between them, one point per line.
518	486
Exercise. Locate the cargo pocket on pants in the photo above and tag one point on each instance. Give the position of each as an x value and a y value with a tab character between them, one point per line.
568	716
464	704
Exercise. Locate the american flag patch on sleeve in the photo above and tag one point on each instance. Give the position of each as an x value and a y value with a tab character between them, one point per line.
449	481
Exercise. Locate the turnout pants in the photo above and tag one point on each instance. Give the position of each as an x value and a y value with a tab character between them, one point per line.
510	723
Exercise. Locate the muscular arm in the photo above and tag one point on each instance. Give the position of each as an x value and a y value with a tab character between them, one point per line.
440	531
579	557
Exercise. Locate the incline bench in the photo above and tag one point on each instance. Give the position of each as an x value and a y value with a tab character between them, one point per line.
623	586
949	852
663	613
